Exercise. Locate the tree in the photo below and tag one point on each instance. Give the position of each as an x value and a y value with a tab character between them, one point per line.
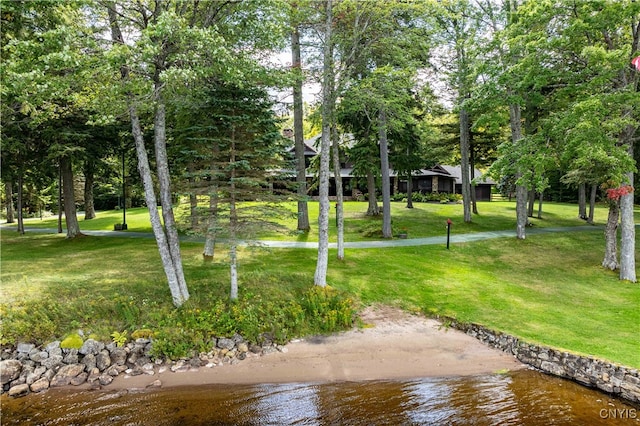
298	128
320	276
231	137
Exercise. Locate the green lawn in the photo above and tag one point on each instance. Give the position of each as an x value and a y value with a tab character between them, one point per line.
425	220
548	289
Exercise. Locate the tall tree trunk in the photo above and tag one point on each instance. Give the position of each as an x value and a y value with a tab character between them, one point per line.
592	203
540	198
193	198
19	205
212	217
320	277
531	203
339	194
464	164
70	216
627	234
410	191
233	224
164	181
8	192
60	208
521	190
298	135
212	220
387	232
611	237
89	171
582	201
372	209
175	277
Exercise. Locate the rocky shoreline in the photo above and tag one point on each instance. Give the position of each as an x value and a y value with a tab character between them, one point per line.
27	368
617	380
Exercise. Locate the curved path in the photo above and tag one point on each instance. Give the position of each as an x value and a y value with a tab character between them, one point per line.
441	240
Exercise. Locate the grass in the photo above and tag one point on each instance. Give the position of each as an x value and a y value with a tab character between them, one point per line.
548	289
424	220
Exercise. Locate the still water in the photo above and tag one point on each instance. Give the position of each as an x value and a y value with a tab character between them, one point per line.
518	398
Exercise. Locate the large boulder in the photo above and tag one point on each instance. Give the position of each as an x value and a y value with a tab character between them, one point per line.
66	373
9	370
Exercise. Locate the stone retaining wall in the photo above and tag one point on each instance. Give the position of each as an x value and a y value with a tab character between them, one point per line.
27	368
617	380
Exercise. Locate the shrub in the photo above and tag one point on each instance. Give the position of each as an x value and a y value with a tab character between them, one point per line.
72	341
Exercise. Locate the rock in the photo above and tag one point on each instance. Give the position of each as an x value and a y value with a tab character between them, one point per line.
119	356
91	346
105	379
195	362
49	374
19	390
256	349
52	362
35	375
89	361
25	348
9	370
143	360
66	374
155	384
225	343
268	350
38	356
103	360
80	379
94	375
71	358
39	385
243	347
53	347
112	371
135	371
132	358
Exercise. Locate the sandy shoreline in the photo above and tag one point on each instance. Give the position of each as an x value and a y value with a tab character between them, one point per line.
394	345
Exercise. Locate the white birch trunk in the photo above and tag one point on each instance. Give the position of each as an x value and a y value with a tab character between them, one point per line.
627	236
164	181
320	277
178	293
339	195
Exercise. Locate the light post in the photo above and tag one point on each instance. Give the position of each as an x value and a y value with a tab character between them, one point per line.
448	232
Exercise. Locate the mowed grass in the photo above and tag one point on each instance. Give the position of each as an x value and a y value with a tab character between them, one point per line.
424	220
548	289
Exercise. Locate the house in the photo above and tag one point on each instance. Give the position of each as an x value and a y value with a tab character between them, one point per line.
440	178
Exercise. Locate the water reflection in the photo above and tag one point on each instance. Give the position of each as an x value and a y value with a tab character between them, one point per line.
519	398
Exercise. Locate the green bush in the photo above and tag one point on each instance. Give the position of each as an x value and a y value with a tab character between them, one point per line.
188	330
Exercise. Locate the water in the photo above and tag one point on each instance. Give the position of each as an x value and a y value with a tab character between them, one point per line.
518	398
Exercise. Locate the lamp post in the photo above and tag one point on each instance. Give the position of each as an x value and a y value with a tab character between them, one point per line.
448	232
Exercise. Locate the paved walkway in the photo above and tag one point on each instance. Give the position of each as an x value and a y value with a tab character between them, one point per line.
442	240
